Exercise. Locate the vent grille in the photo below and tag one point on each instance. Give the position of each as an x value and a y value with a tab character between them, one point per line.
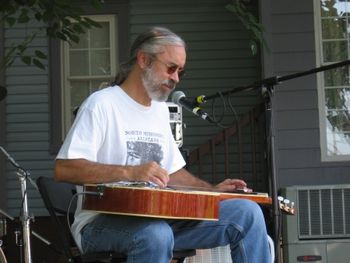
324	213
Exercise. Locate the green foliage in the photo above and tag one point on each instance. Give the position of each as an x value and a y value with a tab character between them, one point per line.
250	22
61	20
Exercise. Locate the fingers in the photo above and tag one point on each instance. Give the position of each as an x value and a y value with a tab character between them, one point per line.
151	172
231	185
237	182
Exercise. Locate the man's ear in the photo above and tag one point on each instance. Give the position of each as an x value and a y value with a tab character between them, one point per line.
143	60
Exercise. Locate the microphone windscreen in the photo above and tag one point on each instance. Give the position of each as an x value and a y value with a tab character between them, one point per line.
177	95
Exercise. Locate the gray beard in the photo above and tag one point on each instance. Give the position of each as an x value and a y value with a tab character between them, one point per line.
153	85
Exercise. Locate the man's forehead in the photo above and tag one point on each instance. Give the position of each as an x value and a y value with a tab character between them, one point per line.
175	54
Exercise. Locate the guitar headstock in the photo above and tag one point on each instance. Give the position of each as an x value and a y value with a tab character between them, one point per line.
286	205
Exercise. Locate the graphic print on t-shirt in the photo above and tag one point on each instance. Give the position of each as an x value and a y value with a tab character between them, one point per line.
143	147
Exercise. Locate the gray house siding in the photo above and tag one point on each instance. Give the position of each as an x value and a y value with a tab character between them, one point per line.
2	125
290	29
218	59
26	121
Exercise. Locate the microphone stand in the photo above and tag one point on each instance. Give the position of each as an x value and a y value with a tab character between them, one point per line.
23	176
272	81
38	236
267	87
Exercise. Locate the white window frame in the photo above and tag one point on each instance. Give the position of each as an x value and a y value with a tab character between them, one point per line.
65	68
321	90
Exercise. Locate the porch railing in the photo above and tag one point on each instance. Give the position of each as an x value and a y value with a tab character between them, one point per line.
234	153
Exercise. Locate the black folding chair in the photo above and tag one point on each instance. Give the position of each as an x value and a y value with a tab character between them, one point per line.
57	197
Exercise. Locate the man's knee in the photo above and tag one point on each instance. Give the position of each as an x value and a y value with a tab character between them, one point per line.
243	208
157	236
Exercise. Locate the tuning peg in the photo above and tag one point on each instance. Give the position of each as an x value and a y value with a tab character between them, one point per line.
286	205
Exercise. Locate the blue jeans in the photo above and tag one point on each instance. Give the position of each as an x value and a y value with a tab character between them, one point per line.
144	240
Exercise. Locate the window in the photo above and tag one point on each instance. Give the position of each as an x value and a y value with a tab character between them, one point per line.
78	70
88	65
333	42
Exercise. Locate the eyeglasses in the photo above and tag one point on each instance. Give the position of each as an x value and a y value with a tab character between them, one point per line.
171	69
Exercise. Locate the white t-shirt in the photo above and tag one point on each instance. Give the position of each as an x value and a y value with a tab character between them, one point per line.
112	128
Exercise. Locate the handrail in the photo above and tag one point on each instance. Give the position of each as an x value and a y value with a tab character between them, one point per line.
196	155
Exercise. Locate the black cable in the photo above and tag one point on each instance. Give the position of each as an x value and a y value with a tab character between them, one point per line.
71	202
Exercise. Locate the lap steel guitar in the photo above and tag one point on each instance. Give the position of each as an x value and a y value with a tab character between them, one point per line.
143	199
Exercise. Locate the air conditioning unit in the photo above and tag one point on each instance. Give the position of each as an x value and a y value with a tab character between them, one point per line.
214	255
320	229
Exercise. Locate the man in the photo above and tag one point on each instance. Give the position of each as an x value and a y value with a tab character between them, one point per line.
122	133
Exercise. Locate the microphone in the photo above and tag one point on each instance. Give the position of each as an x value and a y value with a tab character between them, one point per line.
3	93
180	99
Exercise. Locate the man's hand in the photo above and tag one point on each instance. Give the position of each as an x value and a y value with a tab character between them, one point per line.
150	172
231	185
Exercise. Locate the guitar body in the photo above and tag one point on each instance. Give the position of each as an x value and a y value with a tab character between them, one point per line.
160	203
150	202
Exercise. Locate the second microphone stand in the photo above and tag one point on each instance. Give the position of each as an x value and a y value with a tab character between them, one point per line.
267	87
25	218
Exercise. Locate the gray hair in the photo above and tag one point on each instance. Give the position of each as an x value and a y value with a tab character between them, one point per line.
151	42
